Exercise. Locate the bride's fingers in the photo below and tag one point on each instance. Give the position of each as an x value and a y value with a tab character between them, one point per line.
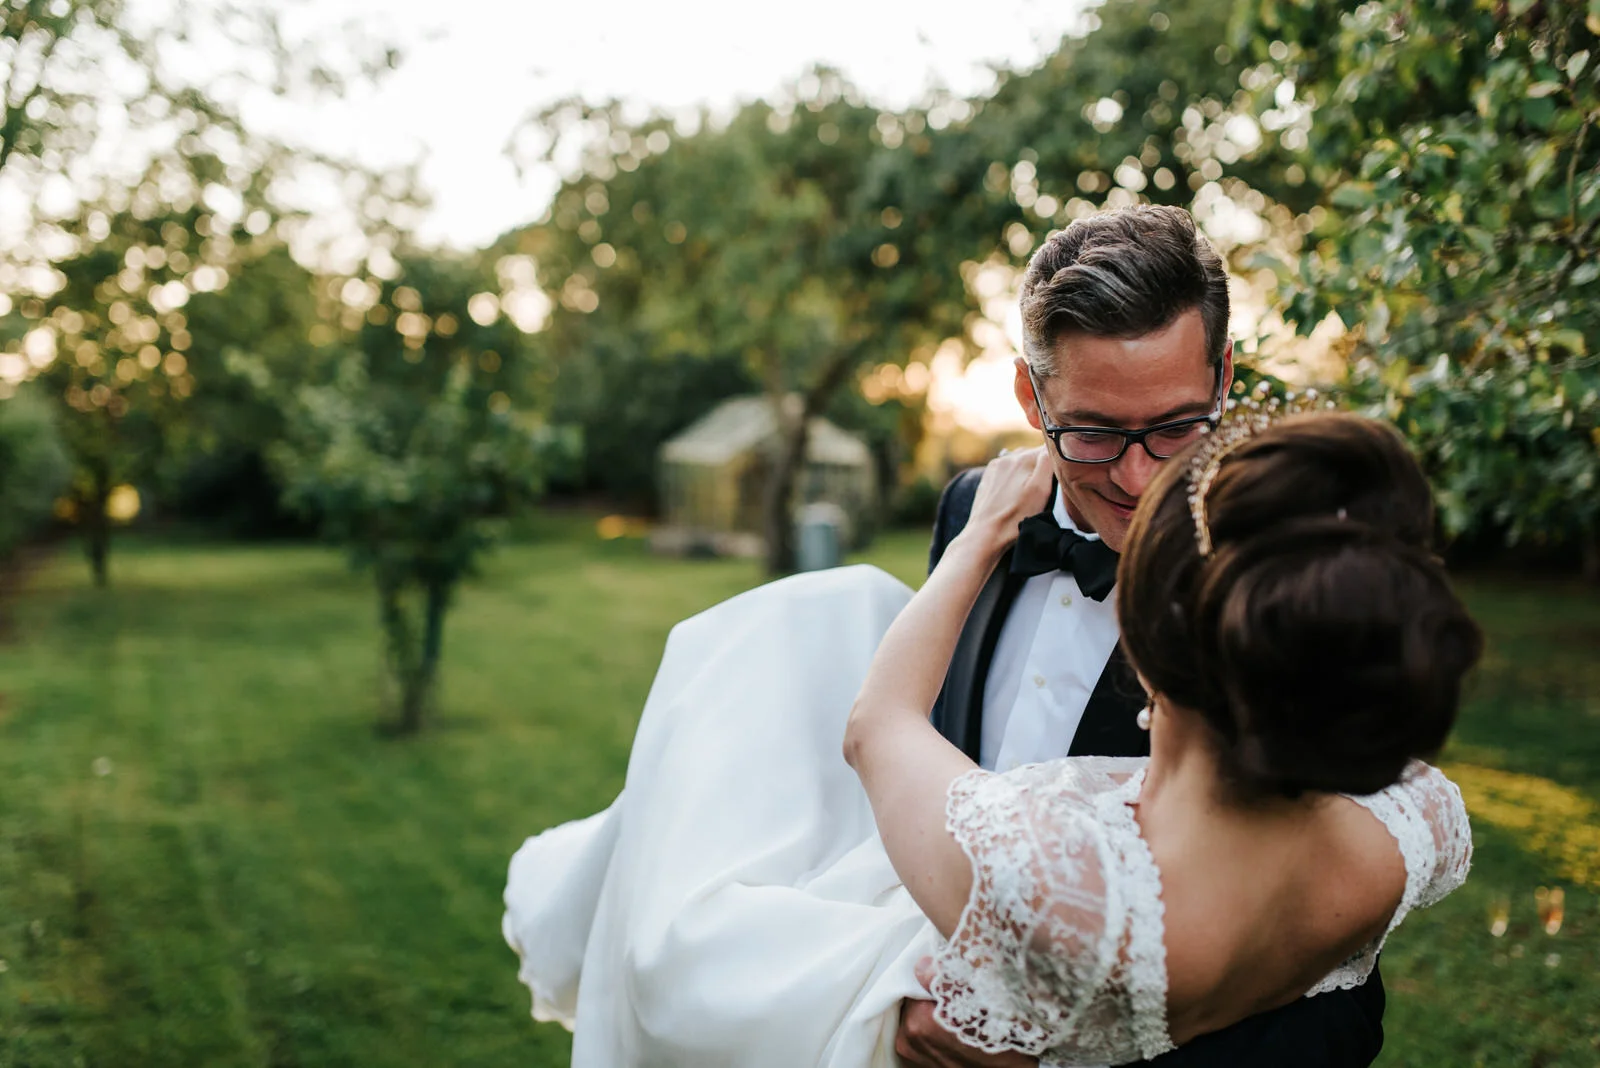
1040	480
1032	470
1041	464
1015	485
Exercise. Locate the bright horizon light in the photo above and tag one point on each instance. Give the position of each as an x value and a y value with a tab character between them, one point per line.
466	82
465	85
472	72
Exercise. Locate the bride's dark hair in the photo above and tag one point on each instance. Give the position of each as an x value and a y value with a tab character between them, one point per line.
1321	640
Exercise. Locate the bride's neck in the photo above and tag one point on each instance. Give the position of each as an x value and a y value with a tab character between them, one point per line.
1184	770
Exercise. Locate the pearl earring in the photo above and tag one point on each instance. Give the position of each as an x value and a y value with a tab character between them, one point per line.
1143	718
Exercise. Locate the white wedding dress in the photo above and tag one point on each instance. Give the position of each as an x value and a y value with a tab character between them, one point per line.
735	907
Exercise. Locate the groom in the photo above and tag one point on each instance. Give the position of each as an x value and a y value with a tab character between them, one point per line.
1126	357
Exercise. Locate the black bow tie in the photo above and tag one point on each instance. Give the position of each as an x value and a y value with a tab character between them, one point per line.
1043	546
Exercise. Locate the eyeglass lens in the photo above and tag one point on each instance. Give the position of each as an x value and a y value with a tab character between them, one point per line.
1089	445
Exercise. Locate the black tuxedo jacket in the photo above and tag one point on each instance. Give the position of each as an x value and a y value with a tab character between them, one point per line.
1340	1029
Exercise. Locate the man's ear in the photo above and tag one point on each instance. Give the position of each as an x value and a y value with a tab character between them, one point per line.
1227	369
1023	386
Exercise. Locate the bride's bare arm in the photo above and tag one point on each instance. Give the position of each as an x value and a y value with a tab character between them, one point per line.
905	765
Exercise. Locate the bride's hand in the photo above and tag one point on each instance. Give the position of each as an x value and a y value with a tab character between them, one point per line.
1015	485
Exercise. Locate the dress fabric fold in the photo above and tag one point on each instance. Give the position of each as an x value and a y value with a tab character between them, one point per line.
734	906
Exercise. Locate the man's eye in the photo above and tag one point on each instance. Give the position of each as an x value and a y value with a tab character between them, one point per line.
1177	434
1089	445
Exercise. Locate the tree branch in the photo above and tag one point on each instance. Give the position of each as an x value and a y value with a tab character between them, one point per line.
1572	171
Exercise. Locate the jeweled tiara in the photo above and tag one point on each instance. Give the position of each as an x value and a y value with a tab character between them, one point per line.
1242	419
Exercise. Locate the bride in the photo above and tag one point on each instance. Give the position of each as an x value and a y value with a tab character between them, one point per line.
753	899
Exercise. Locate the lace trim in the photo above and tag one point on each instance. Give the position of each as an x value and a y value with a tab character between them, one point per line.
1147	948
968	994
1018	974
1437	855
1457	845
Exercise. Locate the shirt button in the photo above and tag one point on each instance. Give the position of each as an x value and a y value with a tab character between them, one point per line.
1038	680
1066	600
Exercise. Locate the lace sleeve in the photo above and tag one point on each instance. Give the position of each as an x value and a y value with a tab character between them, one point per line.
1425	814
1042	928
1436	802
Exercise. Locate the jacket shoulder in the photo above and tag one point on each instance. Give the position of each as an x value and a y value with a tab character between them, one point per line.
955	508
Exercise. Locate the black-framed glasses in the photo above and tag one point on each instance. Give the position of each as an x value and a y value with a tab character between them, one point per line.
1106	444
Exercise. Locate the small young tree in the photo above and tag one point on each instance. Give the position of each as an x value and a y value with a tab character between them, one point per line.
412	456
114	350
168	183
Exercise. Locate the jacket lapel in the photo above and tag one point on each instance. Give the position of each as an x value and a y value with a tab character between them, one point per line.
1110	726
959	713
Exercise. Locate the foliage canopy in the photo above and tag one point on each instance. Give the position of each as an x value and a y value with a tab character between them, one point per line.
1458	162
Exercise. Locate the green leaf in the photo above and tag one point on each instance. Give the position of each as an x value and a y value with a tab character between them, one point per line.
1539	112
1543	159
1540	90
1451	208
1576	64
1481	239
1353	195
1569	339
1266	260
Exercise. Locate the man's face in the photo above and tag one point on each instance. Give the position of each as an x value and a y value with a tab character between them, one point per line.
1128	383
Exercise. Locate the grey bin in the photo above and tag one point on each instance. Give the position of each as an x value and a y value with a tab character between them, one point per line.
820	544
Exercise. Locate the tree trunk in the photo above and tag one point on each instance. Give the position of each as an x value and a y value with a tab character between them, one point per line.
778	507
412	659
399	658
97	527
413	705
437	603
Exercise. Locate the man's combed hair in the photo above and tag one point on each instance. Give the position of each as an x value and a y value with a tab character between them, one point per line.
1122	274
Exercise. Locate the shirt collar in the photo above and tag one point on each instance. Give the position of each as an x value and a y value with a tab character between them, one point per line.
1064	521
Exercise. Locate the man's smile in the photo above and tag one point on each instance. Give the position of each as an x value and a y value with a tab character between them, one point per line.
1123	509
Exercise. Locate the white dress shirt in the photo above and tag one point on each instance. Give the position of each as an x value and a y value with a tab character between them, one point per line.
1052	648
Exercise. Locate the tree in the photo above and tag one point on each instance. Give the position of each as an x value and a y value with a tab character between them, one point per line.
33	469
1145	104
112	340
103	282
134	342
816	236
769	240
412	453
76	74
274	314
1458	237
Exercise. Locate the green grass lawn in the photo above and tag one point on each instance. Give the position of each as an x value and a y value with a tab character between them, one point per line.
208	856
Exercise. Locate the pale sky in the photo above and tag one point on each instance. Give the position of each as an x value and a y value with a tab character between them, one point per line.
475	67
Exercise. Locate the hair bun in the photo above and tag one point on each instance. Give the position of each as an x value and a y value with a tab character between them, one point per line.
1321	641
1339	652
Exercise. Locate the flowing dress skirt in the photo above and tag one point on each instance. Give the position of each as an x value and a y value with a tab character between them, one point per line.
734	906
